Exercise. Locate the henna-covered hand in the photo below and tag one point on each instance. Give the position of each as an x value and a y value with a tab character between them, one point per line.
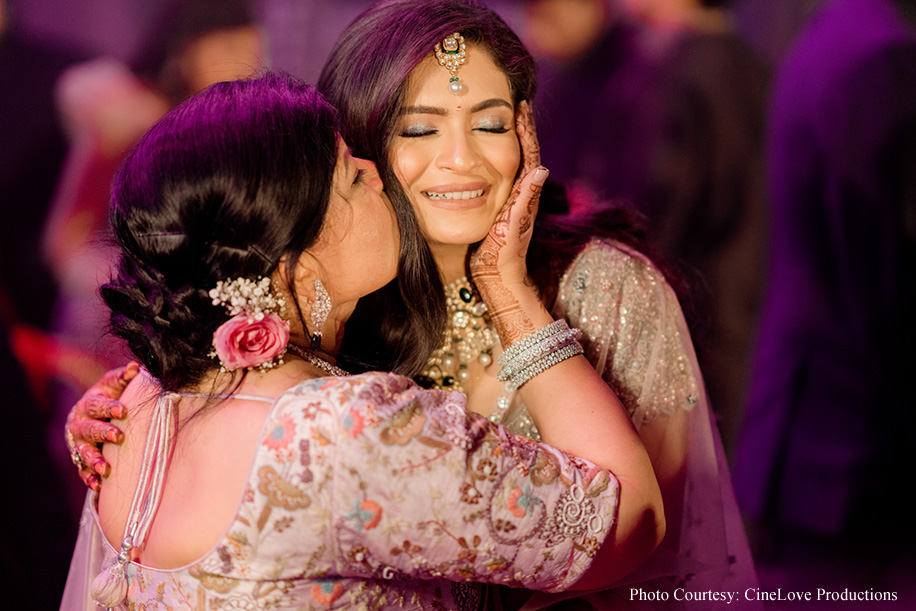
87	425
498	265
507	243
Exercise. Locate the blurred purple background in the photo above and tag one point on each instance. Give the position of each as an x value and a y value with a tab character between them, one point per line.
299	34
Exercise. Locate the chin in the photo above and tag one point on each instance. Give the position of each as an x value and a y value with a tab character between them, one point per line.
458	236
463	240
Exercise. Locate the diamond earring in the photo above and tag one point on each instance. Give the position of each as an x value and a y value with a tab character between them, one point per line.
321	307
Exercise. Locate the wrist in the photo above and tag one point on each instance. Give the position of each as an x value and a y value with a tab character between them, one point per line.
537	352
494	283
516	311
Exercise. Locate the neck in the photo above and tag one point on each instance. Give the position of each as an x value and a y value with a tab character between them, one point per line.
332	335
323	362
451	260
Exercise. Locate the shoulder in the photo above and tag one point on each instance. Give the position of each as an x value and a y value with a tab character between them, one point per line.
373	404
634	332
387	391
609	267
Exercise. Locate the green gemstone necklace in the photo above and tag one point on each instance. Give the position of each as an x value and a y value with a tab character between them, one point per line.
468	337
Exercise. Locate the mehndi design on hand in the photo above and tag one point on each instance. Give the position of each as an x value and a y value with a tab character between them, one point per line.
86	426
500	259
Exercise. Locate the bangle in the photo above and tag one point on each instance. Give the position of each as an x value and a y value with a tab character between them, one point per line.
529	340
558	356
538	351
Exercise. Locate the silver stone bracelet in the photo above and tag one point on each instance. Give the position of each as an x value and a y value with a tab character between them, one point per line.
529	340
537	352
553	358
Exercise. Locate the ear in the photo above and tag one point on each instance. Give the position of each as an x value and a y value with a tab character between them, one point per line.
305	272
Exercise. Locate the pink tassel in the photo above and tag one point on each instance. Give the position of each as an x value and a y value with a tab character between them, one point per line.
109	588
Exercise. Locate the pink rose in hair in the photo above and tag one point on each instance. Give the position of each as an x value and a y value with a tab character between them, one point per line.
244	341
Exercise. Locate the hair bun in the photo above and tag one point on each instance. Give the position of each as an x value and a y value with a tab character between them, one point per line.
162	324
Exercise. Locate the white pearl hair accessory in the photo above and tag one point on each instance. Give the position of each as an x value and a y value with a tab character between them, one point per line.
253	297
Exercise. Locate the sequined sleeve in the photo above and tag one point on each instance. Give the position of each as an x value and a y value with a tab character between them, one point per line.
632	328
423	490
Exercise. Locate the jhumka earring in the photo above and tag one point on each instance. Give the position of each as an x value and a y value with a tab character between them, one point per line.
451	53
321	307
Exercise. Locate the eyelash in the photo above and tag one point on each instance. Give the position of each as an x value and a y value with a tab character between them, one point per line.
493	130
430	132
359	176
418	134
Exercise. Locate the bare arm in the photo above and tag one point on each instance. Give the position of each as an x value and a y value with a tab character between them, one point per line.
572	406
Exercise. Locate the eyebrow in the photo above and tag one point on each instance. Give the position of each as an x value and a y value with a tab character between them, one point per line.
435	110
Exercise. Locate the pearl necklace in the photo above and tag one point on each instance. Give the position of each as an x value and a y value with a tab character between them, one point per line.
469	336
317	361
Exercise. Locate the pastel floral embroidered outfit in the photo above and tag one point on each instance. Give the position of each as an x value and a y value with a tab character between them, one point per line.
368	492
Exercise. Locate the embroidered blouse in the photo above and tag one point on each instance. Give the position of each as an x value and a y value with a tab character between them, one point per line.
368	492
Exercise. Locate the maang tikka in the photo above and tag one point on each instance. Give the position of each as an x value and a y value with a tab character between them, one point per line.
451	53
321	307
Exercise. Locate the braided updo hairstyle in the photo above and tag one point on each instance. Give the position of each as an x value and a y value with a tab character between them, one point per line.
221	187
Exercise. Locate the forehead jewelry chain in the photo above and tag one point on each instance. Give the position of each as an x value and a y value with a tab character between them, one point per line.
451	53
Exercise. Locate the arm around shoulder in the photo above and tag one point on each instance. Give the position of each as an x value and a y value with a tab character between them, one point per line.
428	490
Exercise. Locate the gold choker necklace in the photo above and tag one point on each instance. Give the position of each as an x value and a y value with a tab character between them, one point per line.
468	337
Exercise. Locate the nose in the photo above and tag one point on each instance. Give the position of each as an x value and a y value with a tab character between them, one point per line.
458	153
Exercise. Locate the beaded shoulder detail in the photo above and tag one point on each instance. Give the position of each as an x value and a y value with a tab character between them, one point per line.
633	329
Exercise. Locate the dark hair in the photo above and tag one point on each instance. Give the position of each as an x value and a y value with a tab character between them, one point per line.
365	77
221	187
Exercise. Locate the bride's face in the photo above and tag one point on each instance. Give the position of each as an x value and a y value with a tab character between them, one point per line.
457	155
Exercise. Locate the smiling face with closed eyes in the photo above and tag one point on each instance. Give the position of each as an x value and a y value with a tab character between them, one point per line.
456	156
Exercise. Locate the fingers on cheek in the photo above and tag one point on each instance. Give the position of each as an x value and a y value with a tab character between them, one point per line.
114	435
91	408
92	456
82	431
111	379
103	407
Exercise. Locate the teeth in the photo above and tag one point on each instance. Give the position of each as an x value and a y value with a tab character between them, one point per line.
454	194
